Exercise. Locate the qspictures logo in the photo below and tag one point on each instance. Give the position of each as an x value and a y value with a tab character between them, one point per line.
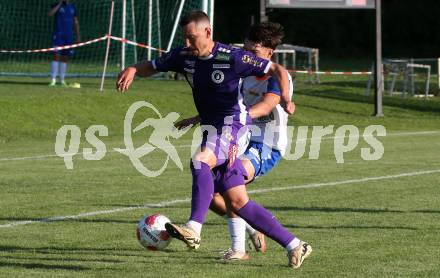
345	140
163	129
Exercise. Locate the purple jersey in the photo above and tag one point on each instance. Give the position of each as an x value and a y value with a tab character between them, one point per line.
216	80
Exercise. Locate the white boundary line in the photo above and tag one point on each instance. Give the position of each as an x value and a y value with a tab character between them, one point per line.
187	200
44	156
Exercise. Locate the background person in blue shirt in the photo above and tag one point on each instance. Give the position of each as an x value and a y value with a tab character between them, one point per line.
65	22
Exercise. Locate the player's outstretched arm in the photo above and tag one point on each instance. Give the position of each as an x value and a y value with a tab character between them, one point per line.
126	77
54	10
280	74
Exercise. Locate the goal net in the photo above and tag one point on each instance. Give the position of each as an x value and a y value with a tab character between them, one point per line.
409	77
26	34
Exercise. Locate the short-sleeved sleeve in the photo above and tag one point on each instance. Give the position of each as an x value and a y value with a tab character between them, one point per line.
273	87
247	64
171	61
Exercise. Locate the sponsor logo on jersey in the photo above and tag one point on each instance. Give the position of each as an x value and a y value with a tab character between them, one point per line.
221	66
251	61
221	56
217	76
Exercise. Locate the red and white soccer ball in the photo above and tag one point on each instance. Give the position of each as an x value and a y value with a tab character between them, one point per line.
151	232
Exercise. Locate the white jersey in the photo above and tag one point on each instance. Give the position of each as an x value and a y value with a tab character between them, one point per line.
273	127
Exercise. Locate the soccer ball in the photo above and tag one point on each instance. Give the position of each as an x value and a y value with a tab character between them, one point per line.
151	232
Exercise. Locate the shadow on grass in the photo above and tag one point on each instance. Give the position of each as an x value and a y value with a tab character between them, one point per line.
404	103
44	266
139	254
44	82
357	227
24	82
349	84
349	210
182	205
63	259
82	220
337	110
62	250
362	85
82	251
57	250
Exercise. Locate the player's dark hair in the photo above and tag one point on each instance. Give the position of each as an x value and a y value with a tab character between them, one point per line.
269	34
193	16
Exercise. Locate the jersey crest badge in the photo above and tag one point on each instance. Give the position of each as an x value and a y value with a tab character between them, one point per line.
217	76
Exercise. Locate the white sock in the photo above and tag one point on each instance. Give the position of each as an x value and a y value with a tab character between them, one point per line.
237	230
63	68
54	69
196	226
293	244
251	231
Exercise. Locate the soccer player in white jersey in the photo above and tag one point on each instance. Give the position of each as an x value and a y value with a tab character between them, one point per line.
268	141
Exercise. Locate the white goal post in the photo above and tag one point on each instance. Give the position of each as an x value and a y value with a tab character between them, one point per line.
137	30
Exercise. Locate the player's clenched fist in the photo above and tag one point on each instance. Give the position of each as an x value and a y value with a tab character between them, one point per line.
125	78
288	106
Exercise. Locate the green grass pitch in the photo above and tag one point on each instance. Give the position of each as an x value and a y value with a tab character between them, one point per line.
363	218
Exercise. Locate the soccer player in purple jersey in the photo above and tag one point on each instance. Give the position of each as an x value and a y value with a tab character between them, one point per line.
263	153
214	71
65	21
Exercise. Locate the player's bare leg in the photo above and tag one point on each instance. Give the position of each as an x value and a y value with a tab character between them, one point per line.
250	170
218	205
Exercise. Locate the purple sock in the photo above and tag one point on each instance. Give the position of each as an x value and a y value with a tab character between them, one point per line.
202	192
262	220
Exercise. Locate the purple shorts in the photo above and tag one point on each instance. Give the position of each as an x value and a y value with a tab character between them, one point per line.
227	142
60	39
226	177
